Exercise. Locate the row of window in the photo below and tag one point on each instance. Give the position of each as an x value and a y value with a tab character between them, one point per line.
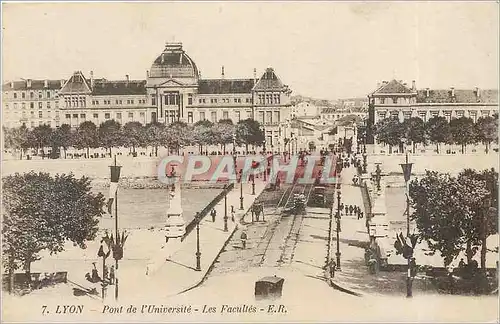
48	95
223	100
75	102
267	118
269	99
118	102
106	115
448	114
40	123
394	100
32	105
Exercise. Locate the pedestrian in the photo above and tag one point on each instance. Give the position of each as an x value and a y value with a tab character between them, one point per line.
332	267
243	238
361	215
213	213
232	213
350	210
95	274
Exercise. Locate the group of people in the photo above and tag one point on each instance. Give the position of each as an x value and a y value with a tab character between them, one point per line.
351	210
213	214
108	275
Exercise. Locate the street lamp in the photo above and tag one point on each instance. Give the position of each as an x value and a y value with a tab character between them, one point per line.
406	173
337	254
253	184
234	146
265	156
365	163
104	256
118	246
241	189
378	174
338	170
198	252
225	208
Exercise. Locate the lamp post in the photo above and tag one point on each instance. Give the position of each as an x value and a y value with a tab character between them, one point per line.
104	256
234	147
253	184
118	247
338	171
225	209
378	174
337	254
265	156
241	189
406	173
198	252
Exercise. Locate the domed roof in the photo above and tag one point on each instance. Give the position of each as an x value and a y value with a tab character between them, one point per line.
173	63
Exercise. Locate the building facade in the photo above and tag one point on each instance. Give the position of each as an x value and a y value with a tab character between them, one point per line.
173	91
395	99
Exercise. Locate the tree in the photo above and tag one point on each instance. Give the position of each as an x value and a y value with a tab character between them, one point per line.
487	130
42	135
134	134
42	212
17	138
86	136
223	132
202	133
389	131
249	132
463	132
488	212
155	135
110	134
62	137
447	213
177	135
414	131
438	131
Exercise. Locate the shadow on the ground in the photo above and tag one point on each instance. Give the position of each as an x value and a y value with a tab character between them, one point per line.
182	265
355	275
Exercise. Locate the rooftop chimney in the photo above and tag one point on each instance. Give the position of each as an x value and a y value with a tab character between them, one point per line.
223	72
92	79
162	58
28	83
46	83
127	77
427	92
12	84
478	92
452	90
254	75
62	83
147	74
413	85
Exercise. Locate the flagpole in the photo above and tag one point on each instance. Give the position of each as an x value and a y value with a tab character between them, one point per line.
117	239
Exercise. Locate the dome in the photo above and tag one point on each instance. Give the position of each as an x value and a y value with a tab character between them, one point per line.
173	63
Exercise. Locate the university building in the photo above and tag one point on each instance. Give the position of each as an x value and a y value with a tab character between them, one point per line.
173	91
398	100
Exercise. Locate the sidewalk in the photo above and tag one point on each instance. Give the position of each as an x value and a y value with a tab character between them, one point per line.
353	238
179	273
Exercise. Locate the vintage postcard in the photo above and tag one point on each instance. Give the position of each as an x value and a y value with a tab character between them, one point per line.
249	161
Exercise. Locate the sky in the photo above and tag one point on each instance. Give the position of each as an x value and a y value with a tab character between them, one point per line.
327	50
